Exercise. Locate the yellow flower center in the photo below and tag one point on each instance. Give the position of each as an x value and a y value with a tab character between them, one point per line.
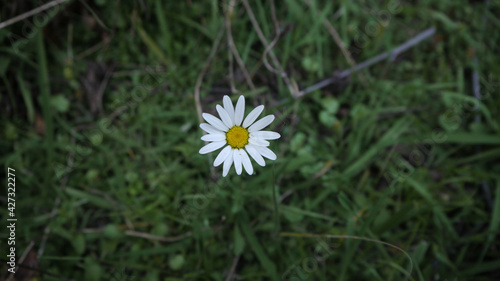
237	137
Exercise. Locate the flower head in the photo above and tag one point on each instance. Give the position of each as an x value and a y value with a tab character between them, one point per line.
239	136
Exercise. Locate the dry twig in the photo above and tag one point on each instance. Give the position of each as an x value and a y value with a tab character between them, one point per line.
392	54
336	37
233	268
275	19
292	87
215	46
234	51
31	13
227	23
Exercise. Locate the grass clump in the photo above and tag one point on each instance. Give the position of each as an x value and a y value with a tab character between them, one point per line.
100	123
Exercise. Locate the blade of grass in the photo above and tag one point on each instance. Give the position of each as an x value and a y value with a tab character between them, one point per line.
252	240
44	86
151	44
165	35
358	238
388	139
193	24
495	222
290	209
96	200
27	98
482	267
482	156
472	138
437	210
454	137
10	91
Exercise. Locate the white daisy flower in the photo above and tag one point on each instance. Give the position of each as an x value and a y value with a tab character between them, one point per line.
242	136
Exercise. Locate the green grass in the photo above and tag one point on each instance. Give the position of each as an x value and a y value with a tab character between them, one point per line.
401	153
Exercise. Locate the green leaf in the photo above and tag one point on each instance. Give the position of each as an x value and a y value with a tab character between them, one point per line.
10	131
327	118
419	252
239	242
79	243
331	105
112	231
176	262
59	103
160	229
359	111
297	141
292	216
447	22
264	260
310	65
93	271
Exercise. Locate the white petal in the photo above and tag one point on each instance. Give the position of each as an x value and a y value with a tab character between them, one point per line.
261	124
212	146
252	116
245	160
227	163
222	156
214	121
237	161
266	135
255	155
228	106
224	116
266	152
258	141
214	137
239	112
210	129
